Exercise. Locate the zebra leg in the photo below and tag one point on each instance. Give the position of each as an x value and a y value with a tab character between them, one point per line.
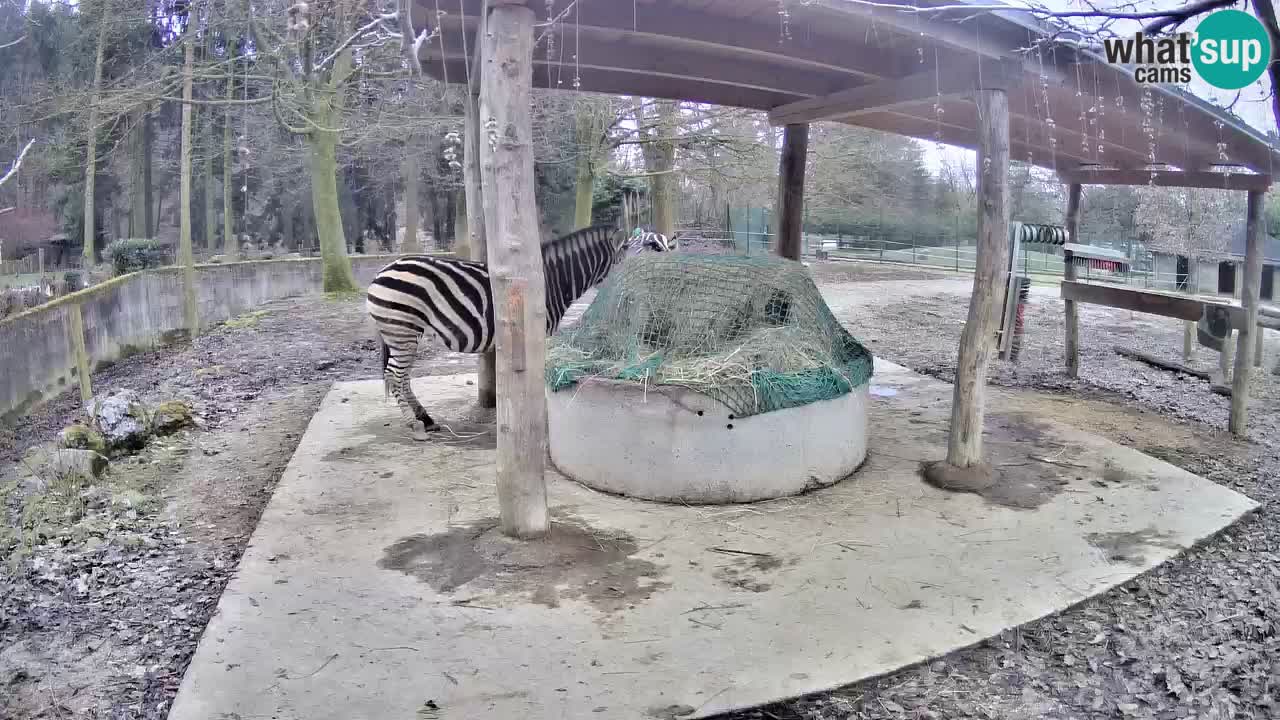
396	374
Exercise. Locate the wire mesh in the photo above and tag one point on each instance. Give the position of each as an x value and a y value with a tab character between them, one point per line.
751	332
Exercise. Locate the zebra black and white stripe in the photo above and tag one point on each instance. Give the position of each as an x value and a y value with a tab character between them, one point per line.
453	299
645	239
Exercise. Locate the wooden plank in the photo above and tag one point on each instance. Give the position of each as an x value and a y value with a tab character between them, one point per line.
926	86
963	136
1072	223
795	148
1162	364
656	57
964	446
75	332
1167	178
1124	298
620	82
1249	301
515	265
710	32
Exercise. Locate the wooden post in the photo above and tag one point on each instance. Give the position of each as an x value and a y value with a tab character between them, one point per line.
1224	360
75	328
40	259
515	266
1257	349
1069	273
486	390
795	148
1249	300
964	448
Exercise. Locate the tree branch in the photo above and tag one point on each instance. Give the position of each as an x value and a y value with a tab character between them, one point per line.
11	43
17	163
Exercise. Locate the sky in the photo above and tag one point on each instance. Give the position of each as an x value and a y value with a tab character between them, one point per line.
1253	107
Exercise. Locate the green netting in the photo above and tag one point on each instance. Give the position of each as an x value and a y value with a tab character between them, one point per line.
751	332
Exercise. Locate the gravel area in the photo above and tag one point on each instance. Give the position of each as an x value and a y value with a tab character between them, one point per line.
100	618
1196	637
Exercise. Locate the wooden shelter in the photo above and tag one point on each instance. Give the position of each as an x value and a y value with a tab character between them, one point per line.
999	82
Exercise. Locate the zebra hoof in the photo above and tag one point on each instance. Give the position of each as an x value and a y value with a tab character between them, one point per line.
421	430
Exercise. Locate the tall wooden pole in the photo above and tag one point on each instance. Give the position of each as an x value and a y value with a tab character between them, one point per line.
1249	299
486	395
964	447
795	147
515	266
1069	273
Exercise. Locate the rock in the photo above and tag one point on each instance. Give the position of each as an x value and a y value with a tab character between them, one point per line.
172	416
122	419
46	465
96	497
82	437
84	463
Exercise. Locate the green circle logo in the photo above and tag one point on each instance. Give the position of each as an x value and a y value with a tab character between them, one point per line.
1232	49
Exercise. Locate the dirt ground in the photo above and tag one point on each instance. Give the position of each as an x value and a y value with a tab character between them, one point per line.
101	612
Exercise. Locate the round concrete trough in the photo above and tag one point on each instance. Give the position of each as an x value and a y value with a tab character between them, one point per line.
675	445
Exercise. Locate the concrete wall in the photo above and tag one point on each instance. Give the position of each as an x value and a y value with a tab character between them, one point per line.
136	312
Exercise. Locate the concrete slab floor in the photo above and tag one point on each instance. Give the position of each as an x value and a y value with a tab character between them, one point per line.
375	589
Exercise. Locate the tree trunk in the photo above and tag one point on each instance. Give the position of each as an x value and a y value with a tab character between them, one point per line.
477	238
964	448
139	207
515	263
459	219
660	155
795	147
338	276
189	304
91	138
409	242
210	222
287	212
587	134
148	142
451	214
230	245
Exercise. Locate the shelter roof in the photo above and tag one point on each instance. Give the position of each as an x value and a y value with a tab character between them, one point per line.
880	65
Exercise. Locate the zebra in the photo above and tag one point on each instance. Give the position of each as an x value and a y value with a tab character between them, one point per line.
646	239
453	299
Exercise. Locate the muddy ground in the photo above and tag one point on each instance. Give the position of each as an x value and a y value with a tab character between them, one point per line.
101	604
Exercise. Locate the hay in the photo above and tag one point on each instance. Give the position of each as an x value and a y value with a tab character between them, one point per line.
753	333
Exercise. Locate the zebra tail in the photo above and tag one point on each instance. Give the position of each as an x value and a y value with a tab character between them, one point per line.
386	360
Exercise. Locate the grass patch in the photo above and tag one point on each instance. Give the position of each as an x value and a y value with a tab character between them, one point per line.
66	512
344	296
247	320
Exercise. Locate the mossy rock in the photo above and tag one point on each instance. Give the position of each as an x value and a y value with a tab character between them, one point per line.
83	437
171	416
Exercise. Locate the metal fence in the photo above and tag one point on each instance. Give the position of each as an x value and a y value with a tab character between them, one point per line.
1043	264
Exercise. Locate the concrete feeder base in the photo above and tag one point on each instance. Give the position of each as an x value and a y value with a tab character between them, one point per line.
675	445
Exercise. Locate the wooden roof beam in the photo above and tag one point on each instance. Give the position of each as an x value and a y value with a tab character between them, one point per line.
924	86
709	32
620	82
680	63
1167	178
959	136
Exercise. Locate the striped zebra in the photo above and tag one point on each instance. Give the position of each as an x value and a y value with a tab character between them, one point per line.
453	299
646	239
